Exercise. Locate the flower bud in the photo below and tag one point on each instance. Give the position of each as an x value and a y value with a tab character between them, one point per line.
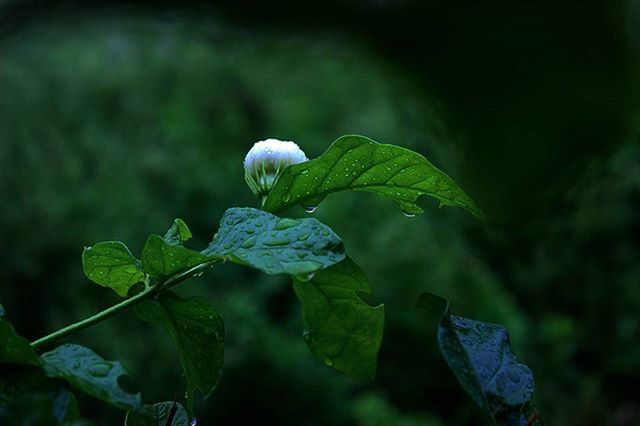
266	160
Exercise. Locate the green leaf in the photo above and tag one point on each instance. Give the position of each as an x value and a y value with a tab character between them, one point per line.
480	356
275	246
162	259
112	265
339	328
89	372
178	233
198	332
357	163
15	349
158	415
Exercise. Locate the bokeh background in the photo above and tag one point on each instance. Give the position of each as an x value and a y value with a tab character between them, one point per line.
116	117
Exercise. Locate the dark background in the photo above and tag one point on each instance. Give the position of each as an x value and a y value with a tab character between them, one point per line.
116	117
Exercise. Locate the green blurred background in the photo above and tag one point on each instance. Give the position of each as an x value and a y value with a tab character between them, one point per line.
117	117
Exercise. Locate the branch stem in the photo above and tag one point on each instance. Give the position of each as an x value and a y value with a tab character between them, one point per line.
147	293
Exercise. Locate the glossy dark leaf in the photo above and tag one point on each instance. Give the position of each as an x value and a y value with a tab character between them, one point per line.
111	264
15	349
340	329
90	373
273	245
198	332
357	163
162	259
482	360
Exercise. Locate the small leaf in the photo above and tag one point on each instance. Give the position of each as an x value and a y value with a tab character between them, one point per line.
158	415
15	349
357	163
111	264
339	328
178	233
480	356
162	259
90	373
273	245
198	332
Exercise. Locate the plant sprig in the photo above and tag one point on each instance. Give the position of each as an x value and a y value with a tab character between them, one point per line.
341	330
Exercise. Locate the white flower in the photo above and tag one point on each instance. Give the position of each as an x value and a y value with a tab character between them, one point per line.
266	160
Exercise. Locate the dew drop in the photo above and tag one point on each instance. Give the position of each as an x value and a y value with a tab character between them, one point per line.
408	214
328	362
286	197
99	370
310	209
305	277
249	242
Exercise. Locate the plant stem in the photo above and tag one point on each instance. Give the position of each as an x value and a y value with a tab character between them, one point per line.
147	293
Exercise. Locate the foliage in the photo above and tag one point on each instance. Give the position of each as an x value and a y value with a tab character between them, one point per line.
340	329
275	246
111	264
481	357
89	372
89	161
360	164
15	349
198	333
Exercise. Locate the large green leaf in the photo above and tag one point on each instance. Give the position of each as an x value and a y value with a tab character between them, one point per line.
112	265
358	163
273	245
15	349
339	328
160	414
89	372
198	332
480	356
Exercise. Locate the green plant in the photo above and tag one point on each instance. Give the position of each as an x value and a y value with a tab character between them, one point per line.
343	331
